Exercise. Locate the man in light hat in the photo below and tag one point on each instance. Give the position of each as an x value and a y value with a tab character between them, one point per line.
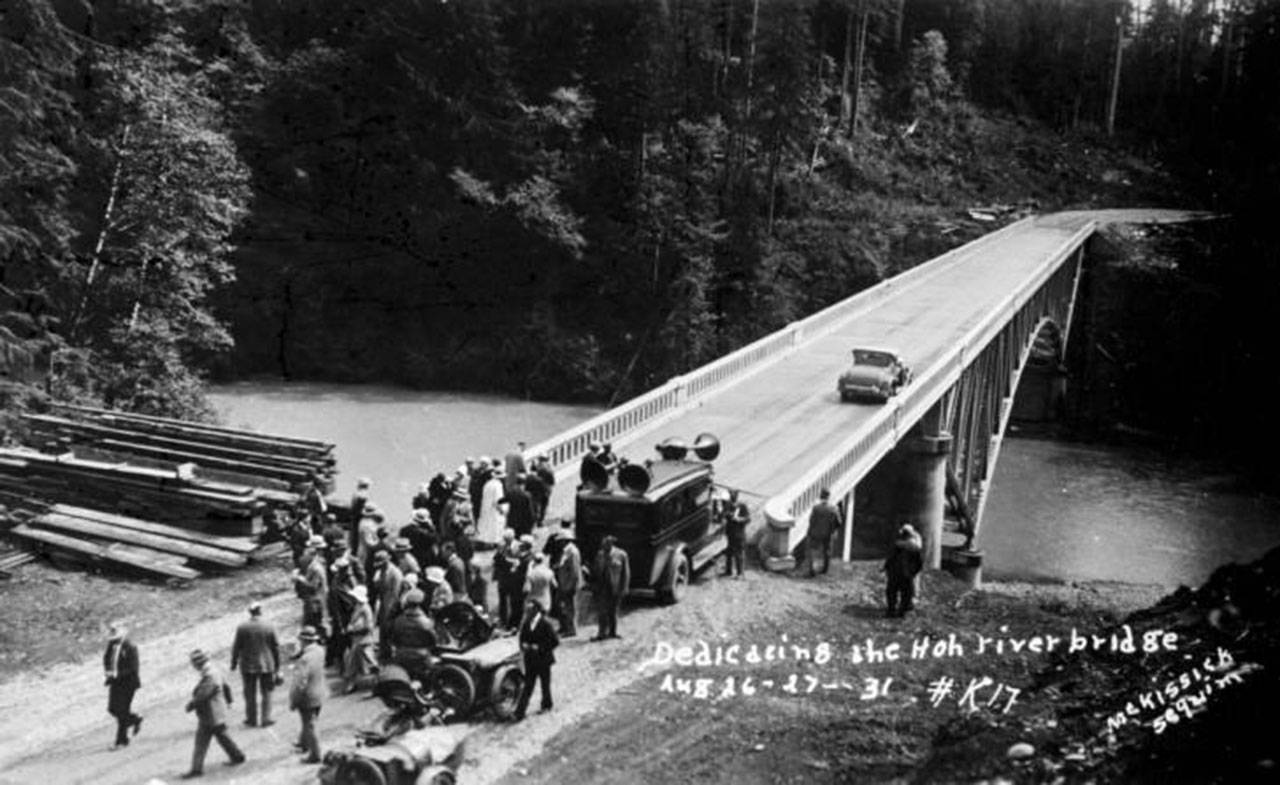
120	662
568	577
360	659
306	694
435	588
422	537
456	521
367	539
311	583
517	578
256	652
209	700
403	556
411	640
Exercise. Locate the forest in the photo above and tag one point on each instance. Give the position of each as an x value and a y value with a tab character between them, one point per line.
577	199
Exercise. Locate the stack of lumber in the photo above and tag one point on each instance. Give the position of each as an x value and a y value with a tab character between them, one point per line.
12	559
128	544
277	462
154	494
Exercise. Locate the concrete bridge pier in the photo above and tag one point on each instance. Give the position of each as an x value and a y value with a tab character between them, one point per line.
922	491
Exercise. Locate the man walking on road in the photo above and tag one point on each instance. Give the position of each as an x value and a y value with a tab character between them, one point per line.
306	694
209	700
257	653
735	530
538	642
823	522
120	661
610	578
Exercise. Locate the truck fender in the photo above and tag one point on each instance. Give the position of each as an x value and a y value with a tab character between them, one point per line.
664	563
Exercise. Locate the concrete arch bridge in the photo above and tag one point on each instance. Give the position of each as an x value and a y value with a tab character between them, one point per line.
966	322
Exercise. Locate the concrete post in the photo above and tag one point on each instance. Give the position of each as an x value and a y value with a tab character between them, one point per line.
923	491
847	555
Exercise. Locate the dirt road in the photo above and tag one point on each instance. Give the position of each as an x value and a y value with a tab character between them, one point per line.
54	728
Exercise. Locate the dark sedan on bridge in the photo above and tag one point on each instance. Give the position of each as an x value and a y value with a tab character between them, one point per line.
876	374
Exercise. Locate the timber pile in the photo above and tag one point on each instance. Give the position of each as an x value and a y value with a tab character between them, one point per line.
154	494
122	543
277	462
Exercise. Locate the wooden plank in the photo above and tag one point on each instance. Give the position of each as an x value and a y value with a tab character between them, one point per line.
210	461
191	425
136	558
240	545
92	431
157	542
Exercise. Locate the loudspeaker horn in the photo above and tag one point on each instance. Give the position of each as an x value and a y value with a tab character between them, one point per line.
634	478
595	475
673	448
706	447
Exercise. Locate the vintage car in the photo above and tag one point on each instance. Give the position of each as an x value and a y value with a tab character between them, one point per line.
660	513
876	374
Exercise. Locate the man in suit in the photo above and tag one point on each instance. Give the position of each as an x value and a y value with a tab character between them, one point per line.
311	583
209	700
519	503
735	530
306	694
257	653
568	577
824	521
120	662
385	590
538	642
610	578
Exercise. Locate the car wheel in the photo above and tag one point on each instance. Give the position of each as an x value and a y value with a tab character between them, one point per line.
508	683
435	775
454	689
361	771
684	573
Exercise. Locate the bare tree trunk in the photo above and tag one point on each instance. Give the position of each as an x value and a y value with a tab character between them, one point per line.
1115	74
774	160
1078	103
108	223
845	102
751	52
897	25
858	59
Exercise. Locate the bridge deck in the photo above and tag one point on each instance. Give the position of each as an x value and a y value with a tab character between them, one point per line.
775	424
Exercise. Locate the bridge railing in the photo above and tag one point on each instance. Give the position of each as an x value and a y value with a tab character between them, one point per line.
851	459
649	408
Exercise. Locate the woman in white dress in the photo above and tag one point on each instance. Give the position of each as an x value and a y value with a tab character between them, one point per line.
491	519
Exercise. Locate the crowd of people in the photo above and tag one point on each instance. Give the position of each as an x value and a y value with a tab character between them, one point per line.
369	592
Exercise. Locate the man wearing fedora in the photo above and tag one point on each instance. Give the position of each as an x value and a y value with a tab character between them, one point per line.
610	579
209	701
404	559
435	588
306	694
538	643
360	660
311	583
257	653
385	589
120	662
519	508
568	578
422	537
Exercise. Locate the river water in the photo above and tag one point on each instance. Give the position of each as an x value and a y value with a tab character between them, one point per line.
1057	511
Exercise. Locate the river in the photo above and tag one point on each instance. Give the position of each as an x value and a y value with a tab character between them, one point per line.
1057	511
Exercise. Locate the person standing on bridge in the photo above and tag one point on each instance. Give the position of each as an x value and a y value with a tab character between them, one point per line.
120	661
513	464
824	521
735	529
568	576
359	500
610	579
256	653
519	508
538	642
